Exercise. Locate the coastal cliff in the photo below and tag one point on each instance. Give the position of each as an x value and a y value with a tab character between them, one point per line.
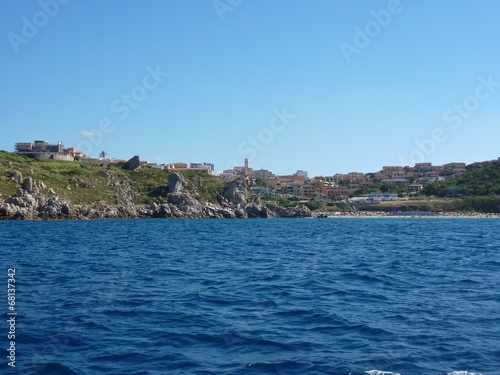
37	189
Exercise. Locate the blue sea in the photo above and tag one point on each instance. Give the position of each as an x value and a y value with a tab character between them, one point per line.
272	296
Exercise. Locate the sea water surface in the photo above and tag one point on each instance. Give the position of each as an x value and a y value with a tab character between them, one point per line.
277	296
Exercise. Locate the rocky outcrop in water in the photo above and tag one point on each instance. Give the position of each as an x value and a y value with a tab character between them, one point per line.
24	205
235	197
300	211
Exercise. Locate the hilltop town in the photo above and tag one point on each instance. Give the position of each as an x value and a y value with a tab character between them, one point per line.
391	183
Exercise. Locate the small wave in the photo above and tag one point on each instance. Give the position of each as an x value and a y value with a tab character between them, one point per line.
378	372
464	373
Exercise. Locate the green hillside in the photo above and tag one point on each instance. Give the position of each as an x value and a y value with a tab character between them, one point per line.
481	180
87	183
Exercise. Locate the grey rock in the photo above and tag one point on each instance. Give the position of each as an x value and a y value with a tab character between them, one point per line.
19	206
30	186
54	209
110	213
182	199
254	210
236	191
175	182
163	211
223	202
6	211
16	177
65	209
299	211
132	164
175	211
22	198
225	213
208	211
240	213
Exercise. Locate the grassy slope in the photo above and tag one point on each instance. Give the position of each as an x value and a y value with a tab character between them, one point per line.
84	183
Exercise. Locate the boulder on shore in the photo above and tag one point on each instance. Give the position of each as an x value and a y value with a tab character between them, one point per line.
175	182
132	164
255	209
236	191
299	211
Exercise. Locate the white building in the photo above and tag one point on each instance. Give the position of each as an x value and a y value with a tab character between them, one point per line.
379	197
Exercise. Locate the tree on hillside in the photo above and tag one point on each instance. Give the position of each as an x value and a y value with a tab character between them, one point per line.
102	155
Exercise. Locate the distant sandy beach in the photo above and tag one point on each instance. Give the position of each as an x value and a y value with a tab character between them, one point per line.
381	214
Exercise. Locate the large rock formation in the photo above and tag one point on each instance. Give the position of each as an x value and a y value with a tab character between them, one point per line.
236	191
175	182
20	205
30	186
132	164
180	200
255	209
53	209
27	203
299	211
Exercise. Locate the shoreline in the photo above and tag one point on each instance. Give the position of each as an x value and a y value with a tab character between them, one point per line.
371	215
430	215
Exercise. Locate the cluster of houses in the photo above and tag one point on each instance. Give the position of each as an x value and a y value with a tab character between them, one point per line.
263	181
44	150
341	186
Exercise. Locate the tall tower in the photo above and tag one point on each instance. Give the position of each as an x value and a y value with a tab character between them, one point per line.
246	166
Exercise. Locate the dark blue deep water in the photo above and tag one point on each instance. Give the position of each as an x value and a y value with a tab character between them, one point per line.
277	296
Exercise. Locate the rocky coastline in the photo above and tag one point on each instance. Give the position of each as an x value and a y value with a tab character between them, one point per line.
33	201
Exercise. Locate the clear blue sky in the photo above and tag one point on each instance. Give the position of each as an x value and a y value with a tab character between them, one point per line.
420	69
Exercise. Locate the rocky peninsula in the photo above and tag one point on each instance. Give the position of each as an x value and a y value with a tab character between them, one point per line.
79	192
